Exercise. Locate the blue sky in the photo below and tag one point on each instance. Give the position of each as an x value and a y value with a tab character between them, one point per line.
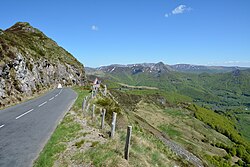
102	32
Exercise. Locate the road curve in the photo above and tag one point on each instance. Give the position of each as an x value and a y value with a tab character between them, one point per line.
26	127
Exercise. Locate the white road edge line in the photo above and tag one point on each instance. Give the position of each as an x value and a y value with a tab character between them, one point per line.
42	104
56	95
51	98
1	126
24	114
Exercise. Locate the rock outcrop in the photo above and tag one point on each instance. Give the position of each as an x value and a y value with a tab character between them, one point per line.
31	62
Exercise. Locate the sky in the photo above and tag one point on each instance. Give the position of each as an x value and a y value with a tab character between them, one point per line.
103	32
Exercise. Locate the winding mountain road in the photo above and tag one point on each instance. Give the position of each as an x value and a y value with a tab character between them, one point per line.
26	127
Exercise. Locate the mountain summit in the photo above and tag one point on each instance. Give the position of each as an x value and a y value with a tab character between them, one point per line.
31	62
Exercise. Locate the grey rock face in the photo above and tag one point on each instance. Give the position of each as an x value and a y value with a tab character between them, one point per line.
2	88
25	76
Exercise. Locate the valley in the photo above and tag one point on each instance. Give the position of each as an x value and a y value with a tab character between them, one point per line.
207	113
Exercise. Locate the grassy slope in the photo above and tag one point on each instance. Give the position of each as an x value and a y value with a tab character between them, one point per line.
37	44
180	125
227	93
146	149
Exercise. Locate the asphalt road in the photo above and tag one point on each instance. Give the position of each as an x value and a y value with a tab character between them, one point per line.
25	128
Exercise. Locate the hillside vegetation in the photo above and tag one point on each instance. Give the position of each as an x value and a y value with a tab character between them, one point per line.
211	136
225	93
31	62
207	113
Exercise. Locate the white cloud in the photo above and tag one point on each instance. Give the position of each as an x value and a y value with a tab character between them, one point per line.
94	28
231	63
181	9
178	10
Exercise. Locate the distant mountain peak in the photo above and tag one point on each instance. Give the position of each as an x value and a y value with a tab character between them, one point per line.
160	63
22	26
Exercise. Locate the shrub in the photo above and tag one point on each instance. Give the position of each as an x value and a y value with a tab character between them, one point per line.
240	162
110	107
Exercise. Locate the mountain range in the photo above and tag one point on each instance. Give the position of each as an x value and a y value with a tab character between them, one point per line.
160	66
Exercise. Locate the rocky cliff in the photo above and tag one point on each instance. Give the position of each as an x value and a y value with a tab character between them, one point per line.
31	62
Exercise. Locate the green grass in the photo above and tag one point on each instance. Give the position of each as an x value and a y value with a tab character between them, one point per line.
158	152
98	155
82	92
170	131
95	143
67	130
156	159
175	112
64	132
145	149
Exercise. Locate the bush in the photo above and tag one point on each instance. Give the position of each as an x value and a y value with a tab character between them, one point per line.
240	151
232	151
218	161
228	157
240	162
110	107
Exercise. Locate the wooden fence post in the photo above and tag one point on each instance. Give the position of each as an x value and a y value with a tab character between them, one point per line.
96	91
83	104
105	90
93	111
103	118
126	151
87	107
113	125
92	94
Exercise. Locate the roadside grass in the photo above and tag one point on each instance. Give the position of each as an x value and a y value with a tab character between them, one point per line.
82	92
64	132
67	130
145	150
